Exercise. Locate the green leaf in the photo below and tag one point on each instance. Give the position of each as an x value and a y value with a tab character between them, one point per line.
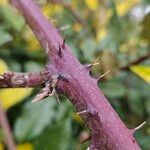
73	47
144	141
11	17
64	111
113	89
138	84
56	137
135	102
32	66
34	118
147	104
89	46
5	37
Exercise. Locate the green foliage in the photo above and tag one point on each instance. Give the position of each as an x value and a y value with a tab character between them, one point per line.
58	136
40	115
113	89
144	140
4	37
136	104
11	18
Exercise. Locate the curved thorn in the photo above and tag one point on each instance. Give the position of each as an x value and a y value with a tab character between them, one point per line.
65	27
81	112
40	96
138	127
45	92
60	52
89	66
63	44
103	75
97	59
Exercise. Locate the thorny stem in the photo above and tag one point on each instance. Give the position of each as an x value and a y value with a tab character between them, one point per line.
108	132
15	79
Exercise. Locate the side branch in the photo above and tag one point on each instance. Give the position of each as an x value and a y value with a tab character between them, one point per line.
135	62
15	79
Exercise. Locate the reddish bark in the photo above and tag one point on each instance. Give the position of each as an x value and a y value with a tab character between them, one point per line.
108	132
16	79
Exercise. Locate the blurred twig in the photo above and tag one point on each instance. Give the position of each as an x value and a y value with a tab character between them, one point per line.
135	62
9	141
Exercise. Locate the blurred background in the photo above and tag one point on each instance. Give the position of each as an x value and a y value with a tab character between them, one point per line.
116	31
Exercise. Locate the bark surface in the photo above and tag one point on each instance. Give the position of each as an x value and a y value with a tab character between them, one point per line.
64	74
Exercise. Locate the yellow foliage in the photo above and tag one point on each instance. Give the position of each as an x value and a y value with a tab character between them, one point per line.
3	67
75	3
78	118
102	17
101	33
123	6
77	27
25	146
10	97
130	45
1	146
3	2
50	9
142	71
109	14
100	24
33	44
92	4
31	40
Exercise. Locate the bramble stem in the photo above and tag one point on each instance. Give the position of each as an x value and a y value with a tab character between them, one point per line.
108	132
16	79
